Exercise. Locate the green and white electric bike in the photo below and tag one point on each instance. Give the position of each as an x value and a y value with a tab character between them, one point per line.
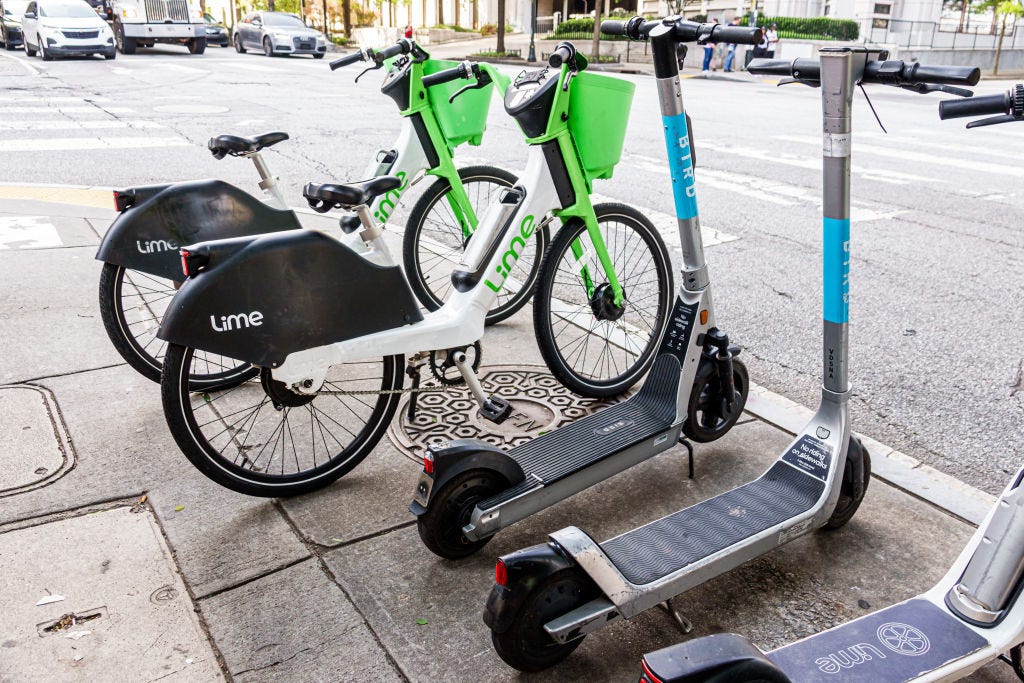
142	269
329	328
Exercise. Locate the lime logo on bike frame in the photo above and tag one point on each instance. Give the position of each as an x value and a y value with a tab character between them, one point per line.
509	258
390	200
680	164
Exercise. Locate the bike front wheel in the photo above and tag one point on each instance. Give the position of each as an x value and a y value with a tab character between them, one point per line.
261	438
132	306
435	241
594	345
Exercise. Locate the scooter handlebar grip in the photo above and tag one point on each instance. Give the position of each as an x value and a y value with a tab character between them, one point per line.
563	53
399	48
974	106
348	59
613	27
947	75
446	76
741	35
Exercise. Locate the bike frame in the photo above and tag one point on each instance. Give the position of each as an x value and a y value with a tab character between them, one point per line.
500	238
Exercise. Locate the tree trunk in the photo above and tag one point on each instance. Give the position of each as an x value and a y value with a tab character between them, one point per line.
476	14
501	26
999	47
963	13
270	5
440	12
456	13
596	50
346	16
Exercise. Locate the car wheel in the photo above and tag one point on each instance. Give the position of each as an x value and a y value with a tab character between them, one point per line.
196	46
238	45
318	55
29	50
268	47
110	55
47	57
125	44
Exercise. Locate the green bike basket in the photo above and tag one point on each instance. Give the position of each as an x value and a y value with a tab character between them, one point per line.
598	113
465	119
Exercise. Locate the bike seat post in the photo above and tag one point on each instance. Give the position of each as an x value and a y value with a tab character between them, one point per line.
372	234
268	183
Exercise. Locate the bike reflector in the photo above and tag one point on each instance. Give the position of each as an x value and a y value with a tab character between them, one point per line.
500	574
648	676
123	200
184	261
428	462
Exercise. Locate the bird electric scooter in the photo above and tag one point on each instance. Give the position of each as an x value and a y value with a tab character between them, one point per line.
972	616
548	597
142	269
331	328
469	490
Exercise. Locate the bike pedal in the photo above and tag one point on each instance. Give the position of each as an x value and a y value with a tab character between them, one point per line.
496	410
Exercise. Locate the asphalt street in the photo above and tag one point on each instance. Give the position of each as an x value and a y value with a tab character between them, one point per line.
938	247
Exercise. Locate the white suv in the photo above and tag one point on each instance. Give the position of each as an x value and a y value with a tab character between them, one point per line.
65	27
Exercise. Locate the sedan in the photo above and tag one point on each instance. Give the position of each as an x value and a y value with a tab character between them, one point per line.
10	22
65	28
278	33
216	33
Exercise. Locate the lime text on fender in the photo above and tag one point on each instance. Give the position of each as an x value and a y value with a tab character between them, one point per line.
153	246
237	321
509	258
390	200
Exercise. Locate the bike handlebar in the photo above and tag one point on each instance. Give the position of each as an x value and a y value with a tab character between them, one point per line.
684	31
565	52
452	74
358	56
402	47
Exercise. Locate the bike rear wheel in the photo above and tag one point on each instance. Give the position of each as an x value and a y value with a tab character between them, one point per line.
434	243
262	439
132	305
594	346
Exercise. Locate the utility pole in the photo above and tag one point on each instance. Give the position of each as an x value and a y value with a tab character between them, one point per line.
596	51
532	57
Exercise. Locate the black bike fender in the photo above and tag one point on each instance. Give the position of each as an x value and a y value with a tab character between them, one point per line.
526	568
286	292
146	236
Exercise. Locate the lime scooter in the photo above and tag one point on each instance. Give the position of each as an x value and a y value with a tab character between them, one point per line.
142	269
331	331
697	387
549	597
972	616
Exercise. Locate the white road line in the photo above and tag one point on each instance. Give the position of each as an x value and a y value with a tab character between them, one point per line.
668	225
50	98
75	125
120	71
257	67
53	144
181	68
64	110
31	69
28	232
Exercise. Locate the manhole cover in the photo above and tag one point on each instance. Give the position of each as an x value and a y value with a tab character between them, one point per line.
34	446
539	402
190	109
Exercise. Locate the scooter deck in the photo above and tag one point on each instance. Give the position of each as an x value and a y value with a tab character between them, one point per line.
600	435
671	543
898	643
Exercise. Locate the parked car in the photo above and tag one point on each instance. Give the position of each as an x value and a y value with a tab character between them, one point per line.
10	22
216	33
278	33
57	28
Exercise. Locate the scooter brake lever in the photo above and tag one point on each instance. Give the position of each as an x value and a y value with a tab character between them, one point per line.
924	88
993	120
790	81
367	70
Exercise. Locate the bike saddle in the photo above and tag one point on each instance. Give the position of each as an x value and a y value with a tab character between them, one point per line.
235	145
328	196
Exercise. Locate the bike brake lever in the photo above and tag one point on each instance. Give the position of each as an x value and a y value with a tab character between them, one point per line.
568	77
471	86
993	120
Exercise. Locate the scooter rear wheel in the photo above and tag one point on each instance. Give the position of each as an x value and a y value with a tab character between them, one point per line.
440	527
132	305
525	645
262	439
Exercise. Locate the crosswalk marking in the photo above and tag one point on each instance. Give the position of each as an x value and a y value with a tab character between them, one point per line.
8	125
28	232
52	98
53	144
65	110
668	225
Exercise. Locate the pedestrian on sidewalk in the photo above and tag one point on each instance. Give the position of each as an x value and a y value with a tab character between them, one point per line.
408	31
730	48
709	53
772	36
761	49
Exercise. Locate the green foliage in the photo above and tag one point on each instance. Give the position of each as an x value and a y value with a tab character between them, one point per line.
579	29
1010	8
457	29
814	28
496	54
491	29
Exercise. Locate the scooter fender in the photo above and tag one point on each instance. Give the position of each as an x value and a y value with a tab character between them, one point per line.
525	570
718	658
261	300
159	219
458	456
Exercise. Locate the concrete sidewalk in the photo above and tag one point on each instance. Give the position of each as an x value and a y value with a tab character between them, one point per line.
120	561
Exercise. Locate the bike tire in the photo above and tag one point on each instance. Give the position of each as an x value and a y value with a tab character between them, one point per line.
430	278
575	307
180	411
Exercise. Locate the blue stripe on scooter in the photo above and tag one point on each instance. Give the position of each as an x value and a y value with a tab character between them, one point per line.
837	270
680	164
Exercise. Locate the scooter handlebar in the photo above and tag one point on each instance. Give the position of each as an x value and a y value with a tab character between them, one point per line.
402	47
803	68
975	106
896	72
452	74
740	35
358	56
565	52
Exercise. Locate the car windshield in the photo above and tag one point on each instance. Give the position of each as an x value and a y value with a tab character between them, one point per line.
14	8
285	20
73	10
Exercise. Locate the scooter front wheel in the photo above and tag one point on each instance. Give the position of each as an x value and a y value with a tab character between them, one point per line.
525	645
261	438
440	527
708	415
854	484
132	305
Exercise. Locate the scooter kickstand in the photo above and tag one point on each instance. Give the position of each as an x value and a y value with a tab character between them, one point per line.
689	452
684	624
495	408
1014	660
